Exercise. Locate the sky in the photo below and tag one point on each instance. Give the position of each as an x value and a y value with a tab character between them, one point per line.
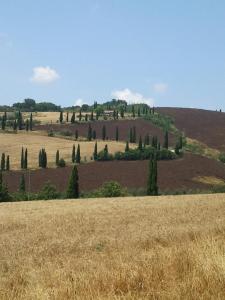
164	53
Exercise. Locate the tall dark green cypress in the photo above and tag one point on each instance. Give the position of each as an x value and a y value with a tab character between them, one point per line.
103	132
15	125
89	136
7	163
22	159
20	120
95	153
25	163
152	187
73	186
73	154
166	140
57	158
73	118
80	116
78	154
140	146
133	111
3	122
134	134
76	135
92	116
61	117
127	147
117	133
27	125
67	117
22	187
3	162
31	122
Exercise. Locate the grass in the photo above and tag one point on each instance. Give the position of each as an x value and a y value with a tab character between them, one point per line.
210	180
132	248
11	144
199	148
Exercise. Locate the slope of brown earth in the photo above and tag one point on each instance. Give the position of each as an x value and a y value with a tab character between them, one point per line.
205	126
173	175
143	127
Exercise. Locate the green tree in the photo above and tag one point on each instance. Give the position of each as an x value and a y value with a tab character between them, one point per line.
25	163
78	154
67	116
152	187
22	186
76	135
166	140
57	158
15	126
140	146
7	163
134	134
127	147
20	120
94	134
27	125
73	154
73	118
61	117
3	122
92	116
31	122
22	159
89	136
95	153
4	194
3	162
73	186
80	116
133	111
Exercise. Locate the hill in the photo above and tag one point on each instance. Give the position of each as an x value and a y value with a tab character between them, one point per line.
131	248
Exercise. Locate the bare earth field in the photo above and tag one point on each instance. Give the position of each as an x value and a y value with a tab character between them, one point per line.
143	127
132	248
205	126
11	144
192	172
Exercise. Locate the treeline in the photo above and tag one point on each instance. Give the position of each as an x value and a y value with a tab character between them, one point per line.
16	121
30	105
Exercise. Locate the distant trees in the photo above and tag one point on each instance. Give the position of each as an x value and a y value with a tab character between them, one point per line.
152	187
42	159
24	159
73	154
73	186
78	158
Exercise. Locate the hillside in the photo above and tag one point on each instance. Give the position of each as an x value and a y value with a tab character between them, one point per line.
131	248
205	126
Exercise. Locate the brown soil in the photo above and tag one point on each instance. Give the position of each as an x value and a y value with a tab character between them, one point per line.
205	126
143	128
173	175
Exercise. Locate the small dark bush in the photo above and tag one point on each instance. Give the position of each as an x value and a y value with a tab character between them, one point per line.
61	163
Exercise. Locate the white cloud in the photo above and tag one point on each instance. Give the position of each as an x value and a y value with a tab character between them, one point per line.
79	102
132	97
44	75
160	87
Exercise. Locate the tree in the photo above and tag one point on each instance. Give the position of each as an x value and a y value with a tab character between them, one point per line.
78	154
22	159
103	132
86	117
152	187
166	140
127	147
31	122
4	194
25	159
131	135
73	186
117	133
92	116
44	159
106	152
27	125
67	117
73	154
139	112
94	134
140	146
57	158
61	117
122	112
89	137
20	121
133	111
22	186
15	126
95	154
154	142
40	159
73	118
3	162
7	163
80	116
134	134
3	122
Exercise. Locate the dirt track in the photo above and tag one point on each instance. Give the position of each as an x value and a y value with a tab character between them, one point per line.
205	126
173	175
143	127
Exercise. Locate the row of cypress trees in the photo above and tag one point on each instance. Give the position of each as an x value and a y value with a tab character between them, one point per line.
18	122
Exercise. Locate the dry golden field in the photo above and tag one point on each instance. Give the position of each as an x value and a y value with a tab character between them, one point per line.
11	144
127	248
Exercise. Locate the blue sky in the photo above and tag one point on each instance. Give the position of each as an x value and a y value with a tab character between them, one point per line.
170	53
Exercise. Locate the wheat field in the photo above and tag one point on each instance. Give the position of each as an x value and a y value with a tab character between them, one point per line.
170	247
11	144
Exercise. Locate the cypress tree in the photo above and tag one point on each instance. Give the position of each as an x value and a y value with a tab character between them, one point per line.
95	154
140	143
22	187
4	194
127	147
177	148
139	112
86	117
117	133
106	152
3	122
114	114
61	117
73	186
73	154
89	137
80	115
94	134
15	125
73	118
25	159
133	111
57	158
78	154
20	121
27	125
44	159
103	132
154	142
159	146
122	112
3	162
166	140
7	163
92	116
22	159
31	122
152	187
67	117
131	135
134	134
40	159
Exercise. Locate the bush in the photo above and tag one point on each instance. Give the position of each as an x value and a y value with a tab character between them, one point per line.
112	189
61	163
66	133
103	156
48	192
222	157
51	133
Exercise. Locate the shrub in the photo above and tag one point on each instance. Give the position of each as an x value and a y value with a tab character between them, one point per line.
66	133
222	157
61	163
51	133
48	192
109	189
